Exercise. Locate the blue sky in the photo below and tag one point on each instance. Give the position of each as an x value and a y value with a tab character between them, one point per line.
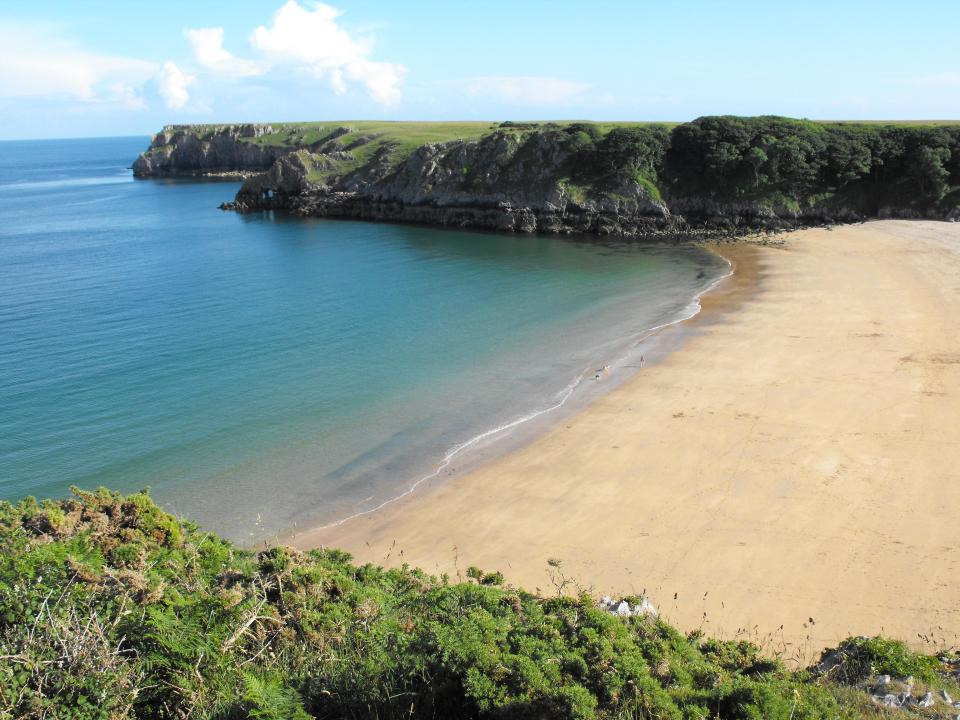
71	69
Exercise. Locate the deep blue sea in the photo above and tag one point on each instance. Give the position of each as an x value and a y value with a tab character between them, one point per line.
259	372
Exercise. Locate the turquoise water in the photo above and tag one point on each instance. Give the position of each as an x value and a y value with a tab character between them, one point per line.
259	372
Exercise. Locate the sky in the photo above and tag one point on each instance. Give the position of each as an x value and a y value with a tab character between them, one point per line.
97	68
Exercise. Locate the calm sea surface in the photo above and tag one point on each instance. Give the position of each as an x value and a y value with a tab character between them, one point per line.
259	372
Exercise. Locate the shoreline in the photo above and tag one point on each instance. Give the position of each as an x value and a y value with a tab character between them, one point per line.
721	296
818	445
512	435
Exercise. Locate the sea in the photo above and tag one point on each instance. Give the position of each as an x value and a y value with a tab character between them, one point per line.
262	373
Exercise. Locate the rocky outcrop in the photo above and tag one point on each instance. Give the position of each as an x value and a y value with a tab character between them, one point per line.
899	693
568	217
499	182
623	608
769	215
180	150
288	176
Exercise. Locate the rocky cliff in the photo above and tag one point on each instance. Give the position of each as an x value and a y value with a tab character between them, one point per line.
180	150
715	174
502	181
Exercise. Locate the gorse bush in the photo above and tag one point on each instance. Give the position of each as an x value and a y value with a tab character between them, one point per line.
859	659
111	608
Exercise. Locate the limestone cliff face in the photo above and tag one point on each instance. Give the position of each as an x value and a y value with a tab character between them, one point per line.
183	151
500	182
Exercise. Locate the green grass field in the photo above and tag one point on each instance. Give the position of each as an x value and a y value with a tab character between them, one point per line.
407	135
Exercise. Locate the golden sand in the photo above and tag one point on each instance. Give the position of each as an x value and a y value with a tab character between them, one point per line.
797	458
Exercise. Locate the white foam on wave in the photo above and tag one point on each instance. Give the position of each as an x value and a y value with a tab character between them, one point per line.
66	182
94	201
694	307
561	399
563	396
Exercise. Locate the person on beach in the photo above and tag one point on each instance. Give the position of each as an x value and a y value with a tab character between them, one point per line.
642	361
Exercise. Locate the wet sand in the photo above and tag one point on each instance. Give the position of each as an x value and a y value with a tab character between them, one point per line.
797	459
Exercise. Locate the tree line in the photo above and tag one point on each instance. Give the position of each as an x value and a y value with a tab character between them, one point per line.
798	163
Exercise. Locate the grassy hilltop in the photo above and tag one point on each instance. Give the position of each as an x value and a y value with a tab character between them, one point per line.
110	608
405	135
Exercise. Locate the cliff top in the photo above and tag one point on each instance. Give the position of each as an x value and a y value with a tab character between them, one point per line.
403	136
422	132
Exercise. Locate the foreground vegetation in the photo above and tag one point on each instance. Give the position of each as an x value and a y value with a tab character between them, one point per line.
111	608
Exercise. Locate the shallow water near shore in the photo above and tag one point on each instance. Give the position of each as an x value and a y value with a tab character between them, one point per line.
260	372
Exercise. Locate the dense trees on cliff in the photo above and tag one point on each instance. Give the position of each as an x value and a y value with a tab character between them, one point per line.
604	161
796	164
864	167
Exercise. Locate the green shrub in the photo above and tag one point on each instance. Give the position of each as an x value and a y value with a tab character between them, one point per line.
858	659
269	699
119	610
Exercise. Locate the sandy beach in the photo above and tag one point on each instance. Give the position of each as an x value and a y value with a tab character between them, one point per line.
795	463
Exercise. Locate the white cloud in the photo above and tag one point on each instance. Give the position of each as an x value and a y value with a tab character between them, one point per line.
311	39
37	63
381	79
127	96
527	89
172	84
208	50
